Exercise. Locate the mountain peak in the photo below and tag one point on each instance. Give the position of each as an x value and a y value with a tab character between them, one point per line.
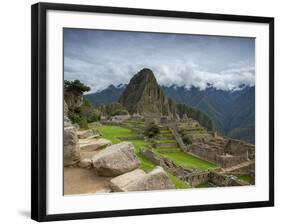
145	74
143	95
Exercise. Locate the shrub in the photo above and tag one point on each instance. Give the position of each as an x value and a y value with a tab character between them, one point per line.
120	112
77	119
186	140
151	130
88	112
75	86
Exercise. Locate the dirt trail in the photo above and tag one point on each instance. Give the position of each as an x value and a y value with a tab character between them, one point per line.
84	181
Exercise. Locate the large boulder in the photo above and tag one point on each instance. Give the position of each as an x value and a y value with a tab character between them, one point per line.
85	134
126	182
93	144
115	160
85	163
138	180
71	149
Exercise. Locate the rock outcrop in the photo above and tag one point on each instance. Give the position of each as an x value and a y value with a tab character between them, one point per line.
85	134
93	144
85	163
71	149
127	181
138	180
115	160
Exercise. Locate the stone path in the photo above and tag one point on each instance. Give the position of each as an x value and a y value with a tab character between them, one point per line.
173	128
79	180
236	167
84	181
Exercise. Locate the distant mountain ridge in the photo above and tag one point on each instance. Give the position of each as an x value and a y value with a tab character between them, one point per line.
232	112
108	95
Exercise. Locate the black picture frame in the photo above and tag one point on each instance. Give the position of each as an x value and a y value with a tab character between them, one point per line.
39	122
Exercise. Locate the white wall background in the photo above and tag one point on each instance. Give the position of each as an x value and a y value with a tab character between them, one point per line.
15	110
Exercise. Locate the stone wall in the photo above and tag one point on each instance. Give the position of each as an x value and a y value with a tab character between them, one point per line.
236	148
203	153
167	165
226	155
223	180
243	170
173	128
195	179
187	175
228	160
166	145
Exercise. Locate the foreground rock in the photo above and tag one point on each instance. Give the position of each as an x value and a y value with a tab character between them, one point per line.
138	180
85	134
115	160
93	144
71	149
85	163
127	181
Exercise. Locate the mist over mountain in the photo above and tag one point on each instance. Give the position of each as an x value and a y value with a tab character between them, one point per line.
232	112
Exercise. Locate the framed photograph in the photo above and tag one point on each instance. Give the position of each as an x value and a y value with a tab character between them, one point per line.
140	111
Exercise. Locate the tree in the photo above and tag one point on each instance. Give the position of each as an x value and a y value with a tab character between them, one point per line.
186	140
151	130
75	86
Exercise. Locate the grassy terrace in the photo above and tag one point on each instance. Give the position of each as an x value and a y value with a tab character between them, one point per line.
207	184
113	133
245	178
184	159
165	140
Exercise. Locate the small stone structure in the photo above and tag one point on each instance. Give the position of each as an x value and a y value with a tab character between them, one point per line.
117	119
225	152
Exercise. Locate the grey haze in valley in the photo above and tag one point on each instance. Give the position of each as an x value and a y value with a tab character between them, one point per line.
100	58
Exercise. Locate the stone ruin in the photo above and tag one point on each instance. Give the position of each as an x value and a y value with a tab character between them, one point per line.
190	121
225	152
117	119
192	177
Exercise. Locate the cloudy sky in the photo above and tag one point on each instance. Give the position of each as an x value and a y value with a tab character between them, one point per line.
100	58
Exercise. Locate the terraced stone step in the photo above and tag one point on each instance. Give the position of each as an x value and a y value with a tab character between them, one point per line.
166	145
93	144
236	167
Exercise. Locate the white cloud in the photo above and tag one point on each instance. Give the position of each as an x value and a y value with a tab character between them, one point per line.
102	59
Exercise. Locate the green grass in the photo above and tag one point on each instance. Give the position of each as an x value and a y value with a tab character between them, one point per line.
112	133
164	140
179	184
207	184
245	178
186	160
